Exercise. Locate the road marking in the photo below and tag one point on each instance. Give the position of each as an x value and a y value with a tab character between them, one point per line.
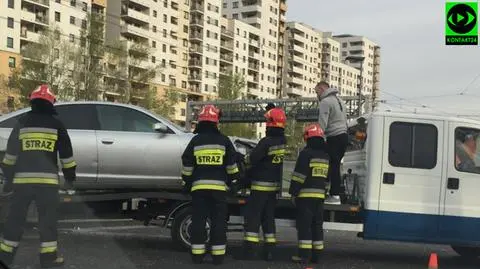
112	228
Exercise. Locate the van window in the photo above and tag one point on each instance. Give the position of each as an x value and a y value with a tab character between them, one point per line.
466	150
413	145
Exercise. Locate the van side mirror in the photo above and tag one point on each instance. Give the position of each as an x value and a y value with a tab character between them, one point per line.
160	127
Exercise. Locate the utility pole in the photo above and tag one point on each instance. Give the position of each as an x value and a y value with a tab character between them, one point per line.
357	59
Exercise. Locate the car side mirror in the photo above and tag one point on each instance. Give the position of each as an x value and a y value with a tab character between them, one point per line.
160	127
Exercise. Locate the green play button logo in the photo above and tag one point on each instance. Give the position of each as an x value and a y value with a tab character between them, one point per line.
461	23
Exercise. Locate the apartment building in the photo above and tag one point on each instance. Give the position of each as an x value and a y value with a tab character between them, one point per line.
264	15
353	47
312	56
23	22
302	61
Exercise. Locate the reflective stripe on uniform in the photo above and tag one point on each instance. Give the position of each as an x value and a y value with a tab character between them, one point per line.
232	169
208	149
270	238
279	149
198	249
8	246
38	132
68	163
9	159
312	193
35	178
187	170
298	177
206	184
48	247
317	245
251	237
219	249
264	186
319	167
305	244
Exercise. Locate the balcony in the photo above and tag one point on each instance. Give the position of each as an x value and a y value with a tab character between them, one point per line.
254	67
29	36
196	7
43	3
226	70
145	3
136	15
295	80
196	49
296	69
34	18
297	48
226	58
134	30
254	42
195	77
196	22
226	32
197	36
294	91
252	79
254	55
283	6
226	45
195	64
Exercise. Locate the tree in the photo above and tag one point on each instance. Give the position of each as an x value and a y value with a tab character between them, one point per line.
164	106
128	73
88	59
48	61
294	134
229	88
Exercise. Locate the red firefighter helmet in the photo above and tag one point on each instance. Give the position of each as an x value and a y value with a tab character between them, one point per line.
276	118
43	92
313	130
209	113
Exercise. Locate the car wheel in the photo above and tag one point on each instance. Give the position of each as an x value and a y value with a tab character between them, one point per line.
182	229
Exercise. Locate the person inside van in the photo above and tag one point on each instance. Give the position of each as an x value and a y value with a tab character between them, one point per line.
466	151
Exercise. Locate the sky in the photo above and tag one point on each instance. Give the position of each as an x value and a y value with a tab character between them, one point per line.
415	62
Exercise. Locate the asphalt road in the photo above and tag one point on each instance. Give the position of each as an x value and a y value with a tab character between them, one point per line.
127	244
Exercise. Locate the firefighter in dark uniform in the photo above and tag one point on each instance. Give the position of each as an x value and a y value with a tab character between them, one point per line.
209	167
307	188
31	171
265	164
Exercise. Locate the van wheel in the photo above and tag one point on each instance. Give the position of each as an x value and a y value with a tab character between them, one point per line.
182	229
467	252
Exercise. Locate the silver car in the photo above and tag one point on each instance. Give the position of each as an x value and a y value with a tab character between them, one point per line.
119	146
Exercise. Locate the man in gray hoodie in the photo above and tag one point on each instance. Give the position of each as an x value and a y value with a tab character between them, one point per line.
333	119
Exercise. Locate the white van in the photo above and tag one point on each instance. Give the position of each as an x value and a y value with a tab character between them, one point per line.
419	179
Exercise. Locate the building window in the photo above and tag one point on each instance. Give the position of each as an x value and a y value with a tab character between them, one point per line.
185	29
11	4
185	15
235	4
165	3
154	29
57	16
154	44
153	59
84	24
165	18
12	62
73	3
72	38
225	5
413	145
72	20
10	42
182	112
184	84
10	22
154	13
164	48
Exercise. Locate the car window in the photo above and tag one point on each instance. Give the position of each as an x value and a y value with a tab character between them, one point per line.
117	118
467	157
10	123
78	116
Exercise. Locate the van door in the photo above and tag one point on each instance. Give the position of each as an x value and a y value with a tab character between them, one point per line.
462	203
409	200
